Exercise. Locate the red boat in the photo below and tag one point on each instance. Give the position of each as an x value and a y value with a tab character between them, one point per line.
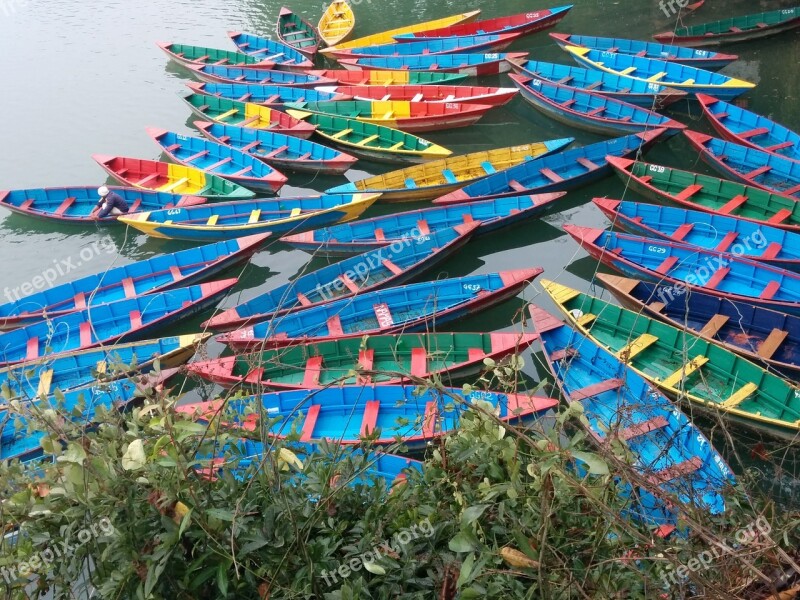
458	94
523	23
432	47
471	65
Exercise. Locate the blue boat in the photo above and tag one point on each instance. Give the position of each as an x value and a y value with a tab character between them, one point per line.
274	96
703	59
766	337
80	369
157	274
750	166
463	44
77	204
406	308
380	268
123	320
285	152
227	220
474	65
671	454
594	112
689	79
218	159
226	74
687	269
347	414
633	91
558	172
266	50
379	232
718	233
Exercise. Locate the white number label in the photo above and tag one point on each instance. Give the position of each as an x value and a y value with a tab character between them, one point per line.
472	287
492	56
657	168
656	249
174	211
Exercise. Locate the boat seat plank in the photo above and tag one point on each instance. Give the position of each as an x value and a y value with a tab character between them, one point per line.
430	418
770	345
418	98
255	216
366	359
212	220
475	355
85	332
567	103
666	265
310	422
780	146
334	324
681	232
596	111
562	354
312	372
740	395
656	306
129	288
657	77
247	169
627	71
717	278
594	85
79	300
27	204
517	186
684	372
423	227
488	168
370	418
770	291
688	192
714	324
585	319
349	283
45	383
64	206
379	235
727	241
368	139
419	362
135	206
792	190
679	470
255	377
565	80
549	174
643	428
136	319
780	216
295	212
449	176
190	158
383	315
174	185
398	145
733	204
250	120
32	348
275	152
582	160
303	299
227	114
753	132
250	146
756	172
340	134
772	251
596	389
391	266
636	346
410	183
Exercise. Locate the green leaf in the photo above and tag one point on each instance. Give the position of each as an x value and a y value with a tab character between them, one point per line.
190	427
595	464
466	571
471	514
222	578
134	458
221	514
374	568
75	454
461	543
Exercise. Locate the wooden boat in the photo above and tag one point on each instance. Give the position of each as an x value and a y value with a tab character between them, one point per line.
223	74
200	55
379	232
346	414
380	268
28	380
219	159
407	308
708	194
633	91
387	37
246	114
734	29
467	44
522	23
170	178
274	96
458	94
703	59
282	55
336	23
412	117
473	65
558	172
282	151
750	166
765	337
747	128
382	359
123	320
685	366
678	465
228	220
711	232
590	111
78	204
160	273
689	79
432	179
293	30
373	77
688	268
370	141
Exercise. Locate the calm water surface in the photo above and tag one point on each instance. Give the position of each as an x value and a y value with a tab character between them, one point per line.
86	77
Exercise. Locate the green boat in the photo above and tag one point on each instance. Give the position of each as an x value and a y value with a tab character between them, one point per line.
384	359
734	29
295	31
709	194
200	55
685	366
370	141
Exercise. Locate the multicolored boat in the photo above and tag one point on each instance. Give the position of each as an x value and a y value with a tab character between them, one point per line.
282	55
407	308
558	172
274	96
293	30
247	114
282	151
79	204
228	220
453	94
709	194
703	59
750	166
381	359
590	111
472	65
373	77
375	269
219	159
734	29
434	47
378	232
336	23
223	74
685	366
747	128
370	141
170	178
187	55
436	178
689	79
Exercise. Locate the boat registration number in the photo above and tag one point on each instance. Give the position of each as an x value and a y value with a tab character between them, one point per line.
472	287
657	168
656	249
492	56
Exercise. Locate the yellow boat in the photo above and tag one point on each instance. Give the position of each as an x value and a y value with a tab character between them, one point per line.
337	22
433	179
387	37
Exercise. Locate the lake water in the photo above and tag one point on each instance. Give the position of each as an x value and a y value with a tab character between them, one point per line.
86	77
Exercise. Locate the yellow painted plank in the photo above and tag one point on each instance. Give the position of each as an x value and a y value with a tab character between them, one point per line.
673	379
740	395
641	343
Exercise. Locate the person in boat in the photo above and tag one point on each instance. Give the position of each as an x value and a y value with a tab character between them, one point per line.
110	203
